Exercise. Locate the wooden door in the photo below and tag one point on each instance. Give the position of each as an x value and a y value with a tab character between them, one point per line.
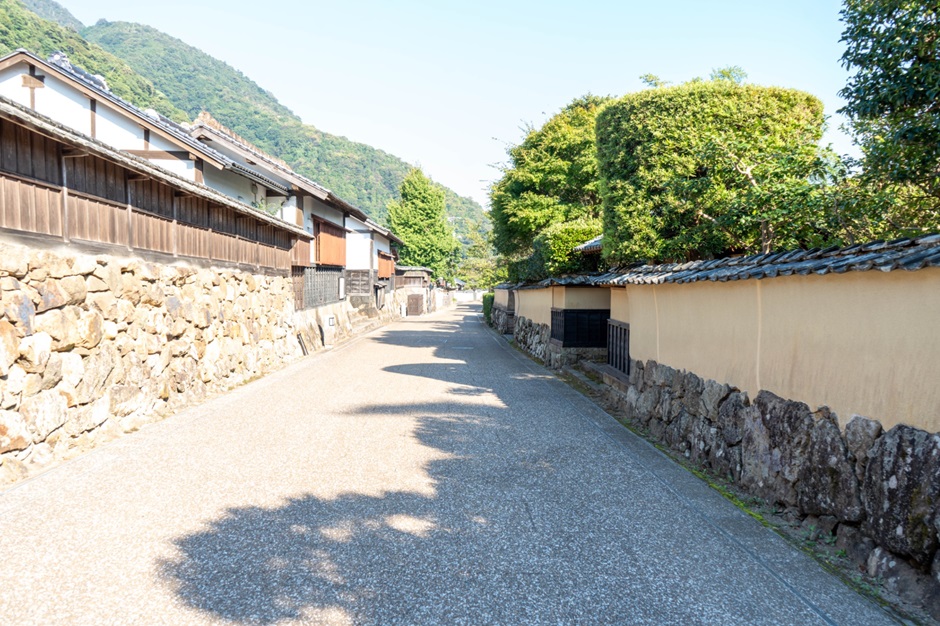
415	304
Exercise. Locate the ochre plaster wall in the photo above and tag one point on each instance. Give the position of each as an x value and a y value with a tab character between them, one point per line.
535	305
585	297
861	342
501	298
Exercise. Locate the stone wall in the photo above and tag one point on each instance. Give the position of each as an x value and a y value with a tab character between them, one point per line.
95	346
503	320
536	339
879	492
532	337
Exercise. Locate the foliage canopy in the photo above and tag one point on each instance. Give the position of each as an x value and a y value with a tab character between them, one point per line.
551	177
710	167
894	96
420	222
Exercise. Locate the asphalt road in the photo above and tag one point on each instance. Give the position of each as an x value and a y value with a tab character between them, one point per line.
424	474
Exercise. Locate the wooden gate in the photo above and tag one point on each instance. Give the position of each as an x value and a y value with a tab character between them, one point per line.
415	304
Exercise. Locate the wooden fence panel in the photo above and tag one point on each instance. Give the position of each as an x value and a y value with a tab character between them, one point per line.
152	233
93	220
30	207
192	241
300	252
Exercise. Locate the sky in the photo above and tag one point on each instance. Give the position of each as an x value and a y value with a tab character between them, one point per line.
449	86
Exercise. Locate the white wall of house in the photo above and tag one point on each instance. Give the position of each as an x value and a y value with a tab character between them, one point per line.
11	84
231	184
181	167
323	211
379	244
117	130
359	251
55	99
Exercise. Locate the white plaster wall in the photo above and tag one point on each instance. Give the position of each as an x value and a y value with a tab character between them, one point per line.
229	183
358	250
11	84
186	169
64	104
327	213
116	130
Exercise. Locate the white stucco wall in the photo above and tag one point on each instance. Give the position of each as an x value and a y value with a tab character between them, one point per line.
358	251
117	130
324	212
11	84
229	183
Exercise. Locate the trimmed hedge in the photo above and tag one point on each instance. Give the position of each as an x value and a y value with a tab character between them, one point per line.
667	157
488	299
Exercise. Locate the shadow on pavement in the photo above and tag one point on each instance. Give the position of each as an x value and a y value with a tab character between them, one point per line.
402	557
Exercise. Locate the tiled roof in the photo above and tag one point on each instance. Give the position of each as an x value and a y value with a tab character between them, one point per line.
594	245
907	254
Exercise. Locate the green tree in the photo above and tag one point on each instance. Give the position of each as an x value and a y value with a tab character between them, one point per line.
551	177
894	96
554	246
479	266
707	168
420	222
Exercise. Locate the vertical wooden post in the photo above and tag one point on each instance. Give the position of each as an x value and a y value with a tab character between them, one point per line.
130	211
174	231
65	196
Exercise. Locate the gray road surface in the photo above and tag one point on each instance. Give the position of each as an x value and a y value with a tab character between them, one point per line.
424	474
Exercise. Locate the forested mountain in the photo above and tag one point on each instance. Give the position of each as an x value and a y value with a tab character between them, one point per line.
153	70
195	81
20	28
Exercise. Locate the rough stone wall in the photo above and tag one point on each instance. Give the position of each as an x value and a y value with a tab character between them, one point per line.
536	340
92	347
878	491
557	357
532	337
503	320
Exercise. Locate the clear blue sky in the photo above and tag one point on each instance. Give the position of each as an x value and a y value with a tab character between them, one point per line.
448	85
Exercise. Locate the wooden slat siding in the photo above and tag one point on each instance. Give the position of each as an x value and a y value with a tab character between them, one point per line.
300	253
101	205
386	265
91	219
331	245
24	151
31	207
618	345
8	148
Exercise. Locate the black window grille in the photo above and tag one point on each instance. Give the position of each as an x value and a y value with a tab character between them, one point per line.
618	345
316	286
580	328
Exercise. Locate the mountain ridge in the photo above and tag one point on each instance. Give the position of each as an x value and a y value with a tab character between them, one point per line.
152	69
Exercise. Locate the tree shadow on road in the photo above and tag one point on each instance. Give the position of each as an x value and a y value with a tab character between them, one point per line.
402	557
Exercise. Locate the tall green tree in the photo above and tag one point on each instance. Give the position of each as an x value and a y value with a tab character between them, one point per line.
420	221
893	46
479	266
550	177
709	167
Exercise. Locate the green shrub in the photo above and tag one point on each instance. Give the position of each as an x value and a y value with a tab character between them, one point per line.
554	247
707	168
488	299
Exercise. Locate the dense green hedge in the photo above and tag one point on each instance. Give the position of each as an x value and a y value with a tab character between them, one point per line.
705	168
488	299
554	246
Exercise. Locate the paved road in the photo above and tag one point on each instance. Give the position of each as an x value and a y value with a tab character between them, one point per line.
425	474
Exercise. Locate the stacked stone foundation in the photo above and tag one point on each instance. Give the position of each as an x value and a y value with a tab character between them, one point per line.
92	347
878	492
